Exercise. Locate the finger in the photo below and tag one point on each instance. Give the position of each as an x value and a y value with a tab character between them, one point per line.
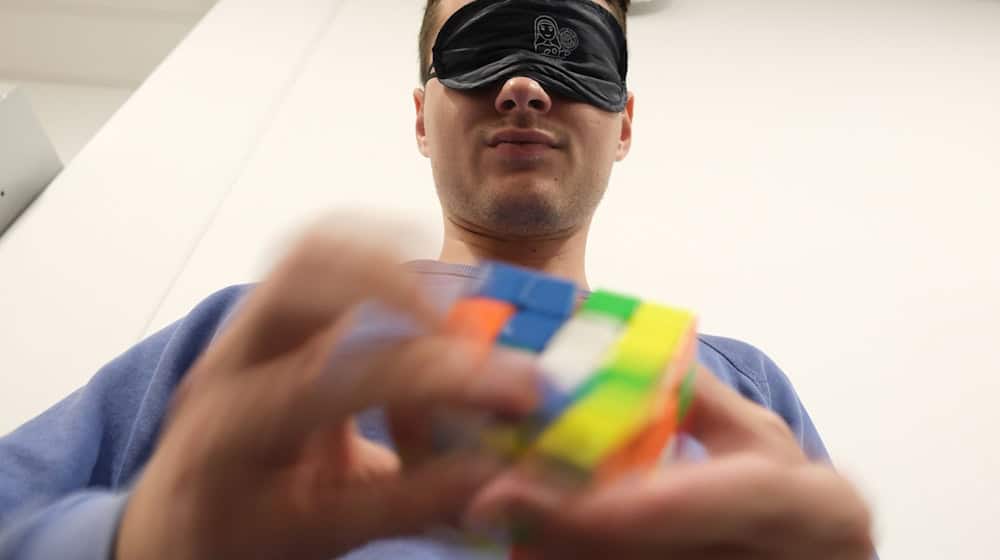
289	398
421	434
432	370
431	496
344	450
411	433
278	403
322	277
739	501
725	422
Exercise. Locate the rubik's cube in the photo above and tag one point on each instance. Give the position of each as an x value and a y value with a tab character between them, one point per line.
617	372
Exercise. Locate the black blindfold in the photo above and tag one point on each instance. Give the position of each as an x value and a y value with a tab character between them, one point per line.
574	48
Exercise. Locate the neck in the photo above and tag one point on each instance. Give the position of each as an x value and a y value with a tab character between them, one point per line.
560	255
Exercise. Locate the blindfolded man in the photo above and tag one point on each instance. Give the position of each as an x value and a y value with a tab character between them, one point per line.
227	435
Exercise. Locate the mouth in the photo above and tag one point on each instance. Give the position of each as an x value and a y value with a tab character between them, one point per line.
521	153
521	136
522	143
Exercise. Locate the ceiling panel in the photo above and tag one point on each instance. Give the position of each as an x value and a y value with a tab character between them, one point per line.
75	48
109	43
184	9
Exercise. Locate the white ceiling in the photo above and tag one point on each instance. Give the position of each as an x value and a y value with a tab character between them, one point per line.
112	43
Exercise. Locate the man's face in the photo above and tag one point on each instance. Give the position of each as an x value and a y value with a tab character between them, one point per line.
514	160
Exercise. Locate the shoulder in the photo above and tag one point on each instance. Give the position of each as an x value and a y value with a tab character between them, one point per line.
757	377
165	355
219	304
135	389
194	331
742	365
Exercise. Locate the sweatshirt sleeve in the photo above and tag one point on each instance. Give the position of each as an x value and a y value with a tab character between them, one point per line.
65	475
81	526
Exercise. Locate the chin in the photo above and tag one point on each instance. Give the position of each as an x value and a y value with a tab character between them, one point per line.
525	215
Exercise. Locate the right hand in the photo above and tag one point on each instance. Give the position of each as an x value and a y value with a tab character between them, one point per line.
260	457
757	495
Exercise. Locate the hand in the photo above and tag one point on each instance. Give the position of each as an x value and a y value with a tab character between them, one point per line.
757	496
260	458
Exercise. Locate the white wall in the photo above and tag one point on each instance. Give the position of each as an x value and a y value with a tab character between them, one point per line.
818	179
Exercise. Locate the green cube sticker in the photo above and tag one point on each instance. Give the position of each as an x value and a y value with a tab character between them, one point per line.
616	305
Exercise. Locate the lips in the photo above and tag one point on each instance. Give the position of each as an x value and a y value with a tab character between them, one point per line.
525	137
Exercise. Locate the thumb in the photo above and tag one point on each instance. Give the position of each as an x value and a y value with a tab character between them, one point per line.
726	422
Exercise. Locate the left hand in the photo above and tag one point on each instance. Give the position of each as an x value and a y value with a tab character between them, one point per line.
757	496
260	456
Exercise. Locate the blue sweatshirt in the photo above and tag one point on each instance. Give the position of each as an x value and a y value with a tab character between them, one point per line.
65	476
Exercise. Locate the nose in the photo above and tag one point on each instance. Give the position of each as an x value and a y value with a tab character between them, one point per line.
523	94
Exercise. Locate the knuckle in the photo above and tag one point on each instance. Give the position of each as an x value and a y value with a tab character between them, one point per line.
853	524
784	443
341	268
845	524
419	356
776	435
426	363
858	538
769	480
315	250
774	424
828	514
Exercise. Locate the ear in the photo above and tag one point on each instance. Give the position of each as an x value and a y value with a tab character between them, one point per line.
625	140
421	130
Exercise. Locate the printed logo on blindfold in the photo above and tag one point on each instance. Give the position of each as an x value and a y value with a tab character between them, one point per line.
552	41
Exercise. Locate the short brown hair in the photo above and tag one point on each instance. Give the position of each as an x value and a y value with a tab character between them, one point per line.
430	24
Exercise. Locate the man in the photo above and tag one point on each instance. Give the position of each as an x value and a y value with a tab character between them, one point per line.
234	434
